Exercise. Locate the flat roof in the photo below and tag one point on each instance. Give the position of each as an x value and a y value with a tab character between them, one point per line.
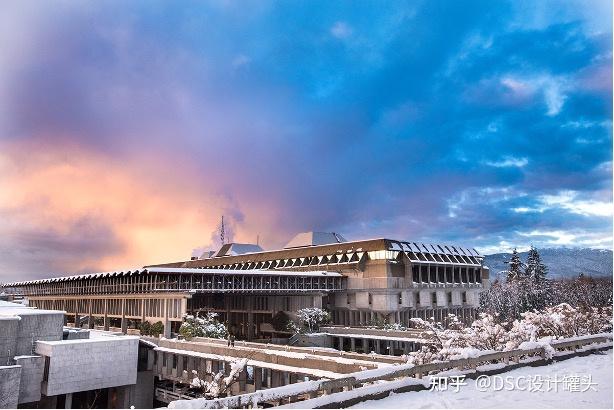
17	309
156	269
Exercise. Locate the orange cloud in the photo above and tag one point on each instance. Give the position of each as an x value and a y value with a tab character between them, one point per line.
151	210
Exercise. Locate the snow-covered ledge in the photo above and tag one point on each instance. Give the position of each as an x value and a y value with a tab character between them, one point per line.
340	390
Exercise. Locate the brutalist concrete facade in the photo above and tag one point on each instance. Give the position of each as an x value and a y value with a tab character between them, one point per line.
88	364
41	366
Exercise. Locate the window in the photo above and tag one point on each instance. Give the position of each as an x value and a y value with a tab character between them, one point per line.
424	273
383	255
450	297
432	274
434	298
370	299
448	274
464	297
415	270
418	298
400	298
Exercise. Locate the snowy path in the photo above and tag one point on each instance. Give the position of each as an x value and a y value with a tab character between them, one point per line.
596	366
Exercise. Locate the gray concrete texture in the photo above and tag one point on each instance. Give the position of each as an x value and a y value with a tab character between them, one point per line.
10	377
32	368
82	365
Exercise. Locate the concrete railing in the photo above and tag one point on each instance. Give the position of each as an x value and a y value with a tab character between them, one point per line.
312	389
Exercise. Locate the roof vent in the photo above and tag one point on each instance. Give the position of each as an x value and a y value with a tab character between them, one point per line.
234	249
314	239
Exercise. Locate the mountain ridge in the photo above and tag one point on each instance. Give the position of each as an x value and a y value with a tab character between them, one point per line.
561	262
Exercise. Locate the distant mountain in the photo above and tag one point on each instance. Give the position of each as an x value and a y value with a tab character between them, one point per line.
561	262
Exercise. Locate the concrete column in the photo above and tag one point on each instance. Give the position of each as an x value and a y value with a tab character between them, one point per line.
124	321
352	344
365	345
106	312
275	378
250	318
390	348
340	343
143	310
257	378
76	320
68	401
167	323
90	319
378	346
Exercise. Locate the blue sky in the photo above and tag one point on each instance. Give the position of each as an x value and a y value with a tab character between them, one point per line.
127	130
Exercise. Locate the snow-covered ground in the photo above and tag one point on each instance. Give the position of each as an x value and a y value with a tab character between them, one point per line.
594	371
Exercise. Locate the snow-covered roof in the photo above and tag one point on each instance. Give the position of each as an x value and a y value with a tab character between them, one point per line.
314	238
319	273
17	309
155	269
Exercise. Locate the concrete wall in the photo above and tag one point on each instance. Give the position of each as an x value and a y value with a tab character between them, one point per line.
80	365
8	336
10	377
36	325
32	368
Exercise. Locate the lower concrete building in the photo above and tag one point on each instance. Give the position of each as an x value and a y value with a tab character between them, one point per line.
45	365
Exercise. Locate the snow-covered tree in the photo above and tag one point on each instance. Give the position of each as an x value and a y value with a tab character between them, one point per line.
535	269
206	326
309	320
218	384
489	333
514	271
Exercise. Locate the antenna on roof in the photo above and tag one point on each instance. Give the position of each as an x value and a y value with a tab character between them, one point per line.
222	230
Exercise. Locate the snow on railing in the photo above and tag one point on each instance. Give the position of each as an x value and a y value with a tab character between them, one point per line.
312	389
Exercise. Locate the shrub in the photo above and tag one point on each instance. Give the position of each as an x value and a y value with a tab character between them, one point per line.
309	320
206	326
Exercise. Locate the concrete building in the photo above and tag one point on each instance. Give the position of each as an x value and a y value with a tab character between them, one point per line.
359	282
43	364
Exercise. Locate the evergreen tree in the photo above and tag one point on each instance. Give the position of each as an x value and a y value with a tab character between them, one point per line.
535	270
515	267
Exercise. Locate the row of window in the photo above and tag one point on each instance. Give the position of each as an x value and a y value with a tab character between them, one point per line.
351	298
445	274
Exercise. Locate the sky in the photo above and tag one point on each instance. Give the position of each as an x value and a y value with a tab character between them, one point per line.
127	129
